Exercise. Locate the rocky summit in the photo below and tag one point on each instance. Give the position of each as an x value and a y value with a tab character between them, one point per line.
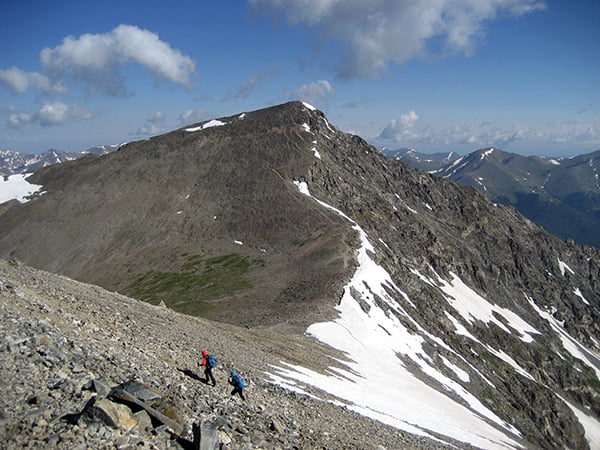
367	286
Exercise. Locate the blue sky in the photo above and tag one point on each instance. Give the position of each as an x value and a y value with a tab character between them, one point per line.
434	75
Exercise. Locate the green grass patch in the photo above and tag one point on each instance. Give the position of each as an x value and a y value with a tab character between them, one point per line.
198	281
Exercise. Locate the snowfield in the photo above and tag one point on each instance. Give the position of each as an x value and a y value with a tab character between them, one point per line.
381	381
16	187
209	124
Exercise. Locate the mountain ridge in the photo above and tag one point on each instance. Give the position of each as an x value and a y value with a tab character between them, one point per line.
12	162
216	211
562	195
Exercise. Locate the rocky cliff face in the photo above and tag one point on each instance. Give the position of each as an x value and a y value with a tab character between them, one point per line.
209	219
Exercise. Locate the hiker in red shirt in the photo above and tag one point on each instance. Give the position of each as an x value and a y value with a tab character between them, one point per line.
208	362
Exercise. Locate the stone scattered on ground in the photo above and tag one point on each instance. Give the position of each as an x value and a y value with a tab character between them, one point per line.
81	367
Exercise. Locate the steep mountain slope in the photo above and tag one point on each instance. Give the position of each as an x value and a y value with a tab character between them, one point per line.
213	209
561	195
498	171
275	218
62	339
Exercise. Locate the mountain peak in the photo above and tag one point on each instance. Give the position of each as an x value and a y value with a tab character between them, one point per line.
274	219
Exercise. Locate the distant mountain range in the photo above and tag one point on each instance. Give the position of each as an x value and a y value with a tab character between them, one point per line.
12	162
562	195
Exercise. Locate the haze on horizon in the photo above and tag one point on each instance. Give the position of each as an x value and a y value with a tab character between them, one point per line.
436	76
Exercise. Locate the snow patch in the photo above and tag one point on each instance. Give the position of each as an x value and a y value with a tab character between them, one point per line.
564	268
460	329
487	153
464	376
16	187
508	359
209	124
578	293
384	243
385	386
480	182
590	425
471	306
329	126
302	187
577	350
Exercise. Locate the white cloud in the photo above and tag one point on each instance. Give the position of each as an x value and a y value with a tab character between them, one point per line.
252	83
19	81
399	129
190	116
17	120
314	93
53	113
153	125
379	32
94	59
50	114
58	112
408	132
573	132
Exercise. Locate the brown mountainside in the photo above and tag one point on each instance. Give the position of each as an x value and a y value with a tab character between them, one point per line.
212	223
184	197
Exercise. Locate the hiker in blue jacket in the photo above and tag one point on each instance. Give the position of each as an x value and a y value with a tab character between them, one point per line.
238	384
208	362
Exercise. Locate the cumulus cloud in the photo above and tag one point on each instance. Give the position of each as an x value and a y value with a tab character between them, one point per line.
402	128
153	125
190	116
379	32
407	131
59	112
16	120
20	81
315	93
572	132
252	83
95	59
50	114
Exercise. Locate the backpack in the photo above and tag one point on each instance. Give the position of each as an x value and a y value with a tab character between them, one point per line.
239	382
211	361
